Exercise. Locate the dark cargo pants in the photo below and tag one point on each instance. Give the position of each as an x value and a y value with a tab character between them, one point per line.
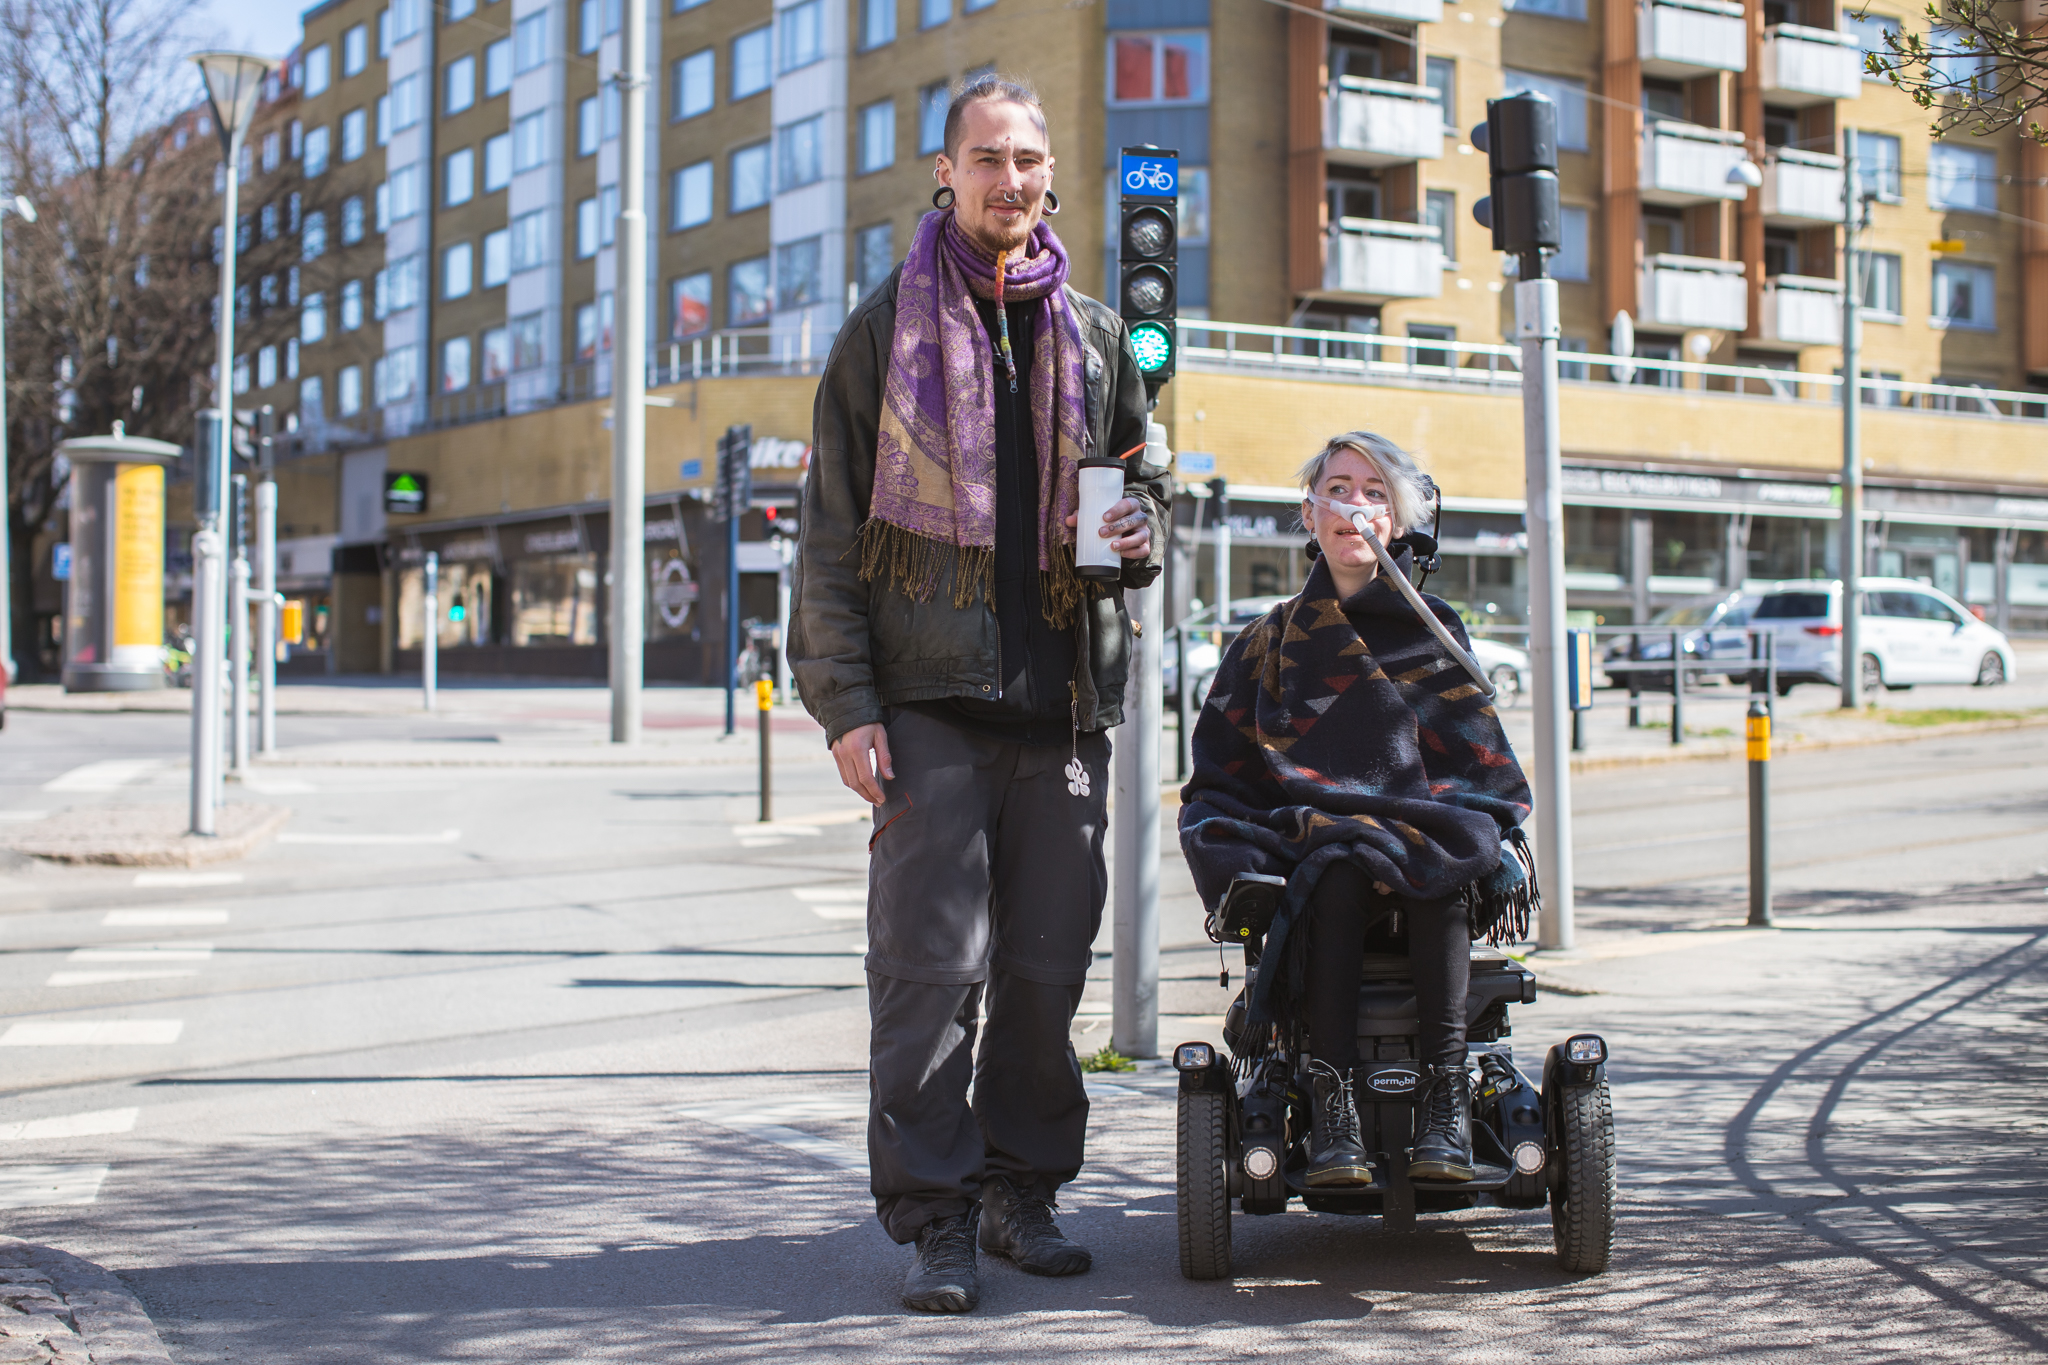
985	890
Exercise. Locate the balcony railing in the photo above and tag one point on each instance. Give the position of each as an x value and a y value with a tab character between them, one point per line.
1685	164
1680	39
1382	123
1802	309
1802	188
1694	291
1810	65
1408	11
1384	259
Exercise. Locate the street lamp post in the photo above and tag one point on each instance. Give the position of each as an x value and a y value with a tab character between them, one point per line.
22	209
1852	435
629	386
233	82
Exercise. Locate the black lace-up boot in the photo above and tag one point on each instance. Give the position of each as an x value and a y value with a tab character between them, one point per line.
1336	1154
1443	1149
1020	1226
943	1279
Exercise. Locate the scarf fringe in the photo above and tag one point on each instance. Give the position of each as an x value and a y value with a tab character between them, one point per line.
1503	917
916	565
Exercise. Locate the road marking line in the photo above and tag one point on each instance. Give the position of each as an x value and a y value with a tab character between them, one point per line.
24	816
834	902
769	1122
32	1187
773	829
145	952
161	919
109	774
446	836
278	786
761	843
93	1124
110	977
187	878
92	1033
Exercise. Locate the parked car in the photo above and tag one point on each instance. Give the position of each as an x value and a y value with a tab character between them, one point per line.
1204	654
1715	631
1908	633
1507	668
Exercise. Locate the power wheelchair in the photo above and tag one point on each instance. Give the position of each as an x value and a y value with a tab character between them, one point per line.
1243	1119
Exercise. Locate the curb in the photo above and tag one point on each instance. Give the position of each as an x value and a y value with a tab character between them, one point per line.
1734	748
65	1310
147	836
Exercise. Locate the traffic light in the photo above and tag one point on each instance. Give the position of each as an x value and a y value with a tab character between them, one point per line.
1148	248
1519	138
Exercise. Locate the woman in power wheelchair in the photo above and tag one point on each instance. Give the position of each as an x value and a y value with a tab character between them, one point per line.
1352	791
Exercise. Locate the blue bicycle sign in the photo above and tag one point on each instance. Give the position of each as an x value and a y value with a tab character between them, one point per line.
1151	175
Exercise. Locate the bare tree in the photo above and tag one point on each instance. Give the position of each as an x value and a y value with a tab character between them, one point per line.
1982	66
109	292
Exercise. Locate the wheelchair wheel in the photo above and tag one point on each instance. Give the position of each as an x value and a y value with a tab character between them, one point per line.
1582	1203
1202	1186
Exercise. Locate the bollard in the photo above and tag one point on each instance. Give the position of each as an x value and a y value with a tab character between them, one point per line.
430	634
1677	687
1184	742
1578	682
1757	728
764	698
238	666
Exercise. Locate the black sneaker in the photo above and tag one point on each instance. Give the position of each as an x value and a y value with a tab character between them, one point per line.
1336	1152
1020	1227
1443	1149
943	1278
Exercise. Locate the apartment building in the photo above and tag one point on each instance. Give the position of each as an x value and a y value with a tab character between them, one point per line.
446	182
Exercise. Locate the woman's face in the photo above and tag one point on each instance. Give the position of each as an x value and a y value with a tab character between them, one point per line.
1349	480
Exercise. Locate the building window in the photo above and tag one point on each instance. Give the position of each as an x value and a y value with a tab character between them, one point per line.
1443	78
497	162
1877	166
529	341
266	367
1192	212
877	136
404	188
749	188
354	135
454	364
609	112
1869	30
316	70
1158	68
1556	9
750	73
874	256
690	196
530	42
383	120
932	13
355	50
586	228
352	220
396	375
932	102
498	67
746	292
313	319
312	402
497	354
1963	294
458	177
348	391
1962	178
405	102
458	269
693	83
877	23
800	272
316	152
529	239
799	155
803	35
586	126
689	310
594	327
351	305
266	291
405	19
1567	94
460	9
497	257
1441	213
1574	260
397	287
313	240
241	374
530	142
975	6
587	35
459	90
1881	280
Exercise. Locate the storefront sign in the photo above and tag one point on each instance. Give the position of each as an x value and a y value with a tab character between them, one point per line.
482	547
673	592
553	542
405	495
60	561
771	452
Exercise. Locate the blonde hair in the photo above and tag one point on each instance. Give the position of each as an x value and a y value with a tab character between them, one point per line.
1408	488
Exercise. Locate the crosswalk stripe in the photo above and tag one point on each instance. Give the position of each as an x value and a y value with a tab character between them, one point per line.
32	1187
91	1124
109	774
92	1033
187	878
145	952
108	978
162	918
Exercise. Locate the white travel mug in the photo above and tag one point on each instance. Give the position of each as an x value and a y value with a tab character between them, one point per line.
1102	486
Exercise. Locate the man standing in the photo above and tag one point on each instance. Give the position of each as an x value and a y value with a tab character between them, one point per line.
965	677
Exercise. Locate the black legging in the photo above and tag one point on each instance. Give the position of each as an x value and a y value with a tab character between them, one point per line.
1439	956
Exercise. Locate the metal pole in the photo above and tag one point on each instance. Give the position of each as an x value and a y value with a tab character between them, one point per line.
1184	743
238	665
6	484
785	547
629	386
1134	965
1677	687
1223	573
266	615
732	612
1852	436
206	574
1757	729
1536	327
764	701
430	632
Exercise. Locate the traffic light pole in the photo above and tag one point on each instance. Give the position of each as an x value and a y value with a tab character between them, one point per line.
1536	328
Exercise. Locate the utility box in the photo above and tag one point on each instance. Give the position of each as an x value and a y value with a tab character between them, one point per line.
114	600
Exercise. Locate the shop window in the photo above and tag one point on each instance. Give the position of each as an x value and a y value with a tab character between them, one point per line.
1593	539
554	600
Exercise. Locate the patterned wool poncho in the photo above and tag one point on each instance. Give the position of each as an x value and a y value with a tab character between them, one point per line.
1343	730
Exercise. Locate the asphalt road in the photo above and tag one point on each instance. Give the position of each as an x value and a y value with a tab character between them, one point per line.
568	1064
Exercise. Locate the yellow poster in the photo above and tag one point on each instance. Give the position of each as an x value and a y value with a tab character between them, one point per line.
138	569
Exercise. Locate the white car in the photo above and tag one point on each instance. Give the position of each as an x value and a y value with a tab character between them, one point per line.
1908	633
1507	668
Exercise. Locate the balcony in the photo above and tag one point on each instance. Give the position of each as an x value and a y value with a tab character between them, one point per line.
1803	310
1382	123
1680	39
1810	65
1694	291
1384	260
1685	164
1802	189
1407	11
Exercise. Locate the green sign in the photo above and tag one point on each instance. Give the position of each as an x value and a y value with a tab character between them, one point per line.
405	495
1152	343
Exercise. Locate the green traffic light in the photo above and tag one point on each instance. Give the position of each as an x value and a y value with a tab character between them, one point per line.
1152	343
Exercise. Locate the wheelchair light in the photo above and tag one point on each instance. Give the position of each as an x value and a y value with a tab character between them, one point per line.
1260	1163
1528	1158
1194	1057
1585	1050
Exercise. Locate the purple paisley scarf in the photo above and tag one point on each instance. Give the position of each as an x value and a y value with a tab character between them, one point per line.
934	504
